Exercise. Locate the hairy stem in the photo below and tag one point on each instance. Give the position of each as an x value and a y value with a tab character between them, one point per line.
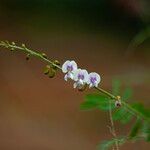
12	46
112	127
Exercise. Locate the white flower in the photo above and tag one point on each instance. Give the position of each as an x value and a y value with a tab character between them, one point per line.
80	78
69	67
94	79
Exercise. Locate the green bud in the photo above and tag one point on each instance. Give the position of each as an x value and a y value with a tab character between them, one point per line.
23	45
13	43
12	49
56	62
47	69
44	55
52	73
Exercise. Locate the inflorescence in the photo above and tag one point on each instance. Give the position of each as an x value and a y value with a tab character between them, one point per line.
81	77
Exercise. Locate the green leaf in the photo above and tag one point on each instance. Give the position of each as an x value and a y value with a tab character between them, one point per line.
97	101
135	130
105	145
122	115
88	105
146	131
141	109
127	94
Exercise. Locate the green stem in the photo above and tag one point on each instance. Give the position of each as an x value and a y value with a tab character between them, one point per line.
106	93
23	48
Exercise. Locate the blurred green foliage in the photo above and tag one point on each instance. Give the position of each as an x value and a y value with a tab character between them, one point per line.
141	127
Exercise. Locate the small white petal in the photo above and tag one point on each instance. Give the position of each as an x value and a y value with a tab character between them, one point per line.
90	85
86	75
64	66
96	84
80	82
74	85
76	72
66	77
70	75
74	65
96	79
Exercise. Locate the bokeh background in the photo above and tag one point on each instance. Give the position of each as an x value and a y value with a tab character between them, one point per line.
106	36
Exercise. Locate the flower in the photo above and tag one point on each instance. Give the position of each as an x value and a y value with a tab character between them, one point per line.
69	67
80	78
94	79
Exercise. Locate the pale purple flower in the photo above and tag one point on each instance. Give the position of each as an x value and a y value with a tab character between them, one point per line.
69	67
94	79
80	78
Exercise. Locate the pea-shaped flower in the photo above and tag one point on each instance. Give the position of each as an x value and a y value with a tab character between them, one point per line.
69	67
94	79
80	78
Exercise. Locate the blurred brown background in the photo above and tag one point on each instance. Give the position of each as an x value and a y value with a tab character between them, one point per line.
38	113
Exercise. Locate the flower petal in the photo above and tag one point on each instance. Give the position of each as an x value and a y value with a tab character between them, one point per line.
76	72
74	65
86	75
94	79
64	66
66	77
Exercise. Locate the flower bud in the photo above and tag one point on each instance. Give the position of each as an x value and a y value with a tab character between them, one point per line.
46	69
56	62
44	55
27	56
13	43
52	73
83	88
23	45
118	103
12	49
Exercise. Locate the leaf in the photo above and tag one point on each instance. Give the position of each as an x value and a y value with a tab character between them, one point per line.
88	105
141	109
105	145
146	131
96	101
135	130
127	94
122	115
116	87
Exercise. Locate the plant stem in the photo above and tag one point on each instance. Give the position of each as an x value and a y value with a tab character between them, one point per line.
112	128
12	46
106	93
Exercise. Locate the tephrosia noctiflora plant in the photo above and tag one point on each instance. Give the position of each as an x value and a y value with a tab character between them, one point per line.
116	104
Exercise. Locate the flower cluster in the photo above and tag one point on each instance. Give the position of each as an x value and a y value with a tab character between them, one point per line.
80	76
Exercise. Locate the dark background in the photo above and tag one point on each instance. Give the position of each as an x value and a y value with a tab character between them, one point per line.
106	36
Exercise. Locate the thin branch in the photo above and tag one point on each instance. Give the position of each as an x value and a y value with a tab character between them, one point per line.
112	127
12	46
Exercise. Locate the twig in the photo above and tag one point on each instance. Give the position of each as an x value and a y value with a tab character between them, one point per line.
12	46
112	128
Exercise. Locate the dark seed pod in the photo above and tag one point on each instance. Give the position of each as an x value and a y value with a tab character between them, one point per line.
118	103
27	56
47	69
82	88
12	49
